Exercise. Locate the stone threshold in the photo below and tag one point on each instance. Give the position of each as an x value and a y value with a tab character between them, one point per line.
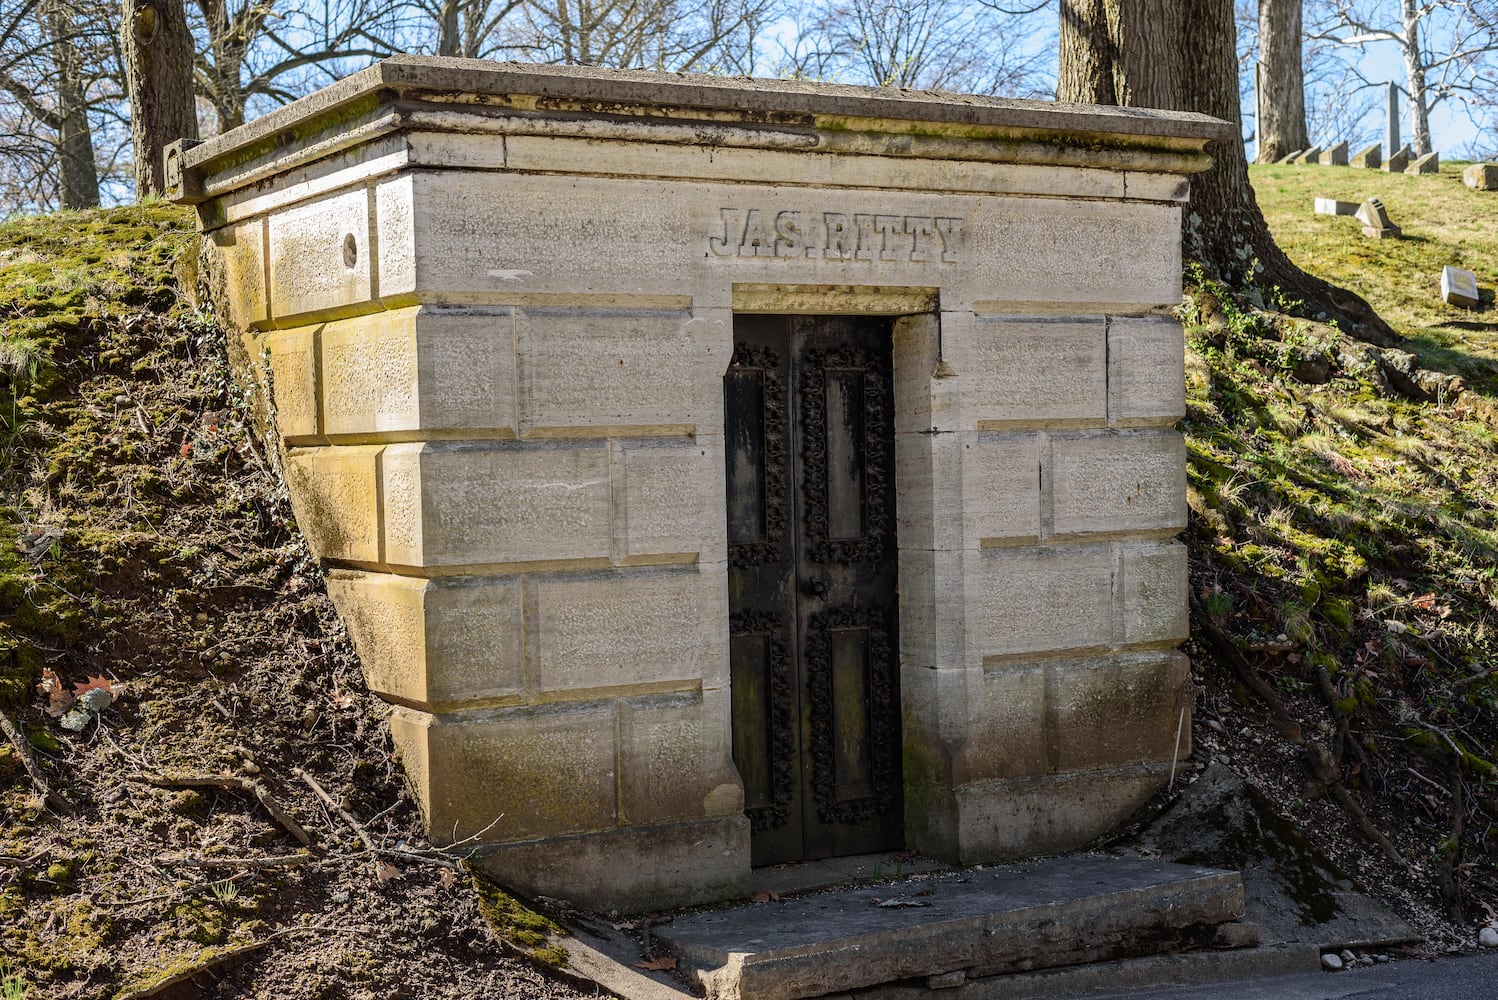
975	933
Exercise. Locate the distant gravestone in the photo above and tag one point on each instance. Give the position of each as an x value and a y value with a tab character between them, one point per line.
1290	157
1369	159
1481	176
1335	157
1331	206
1430	163
1309	156
1375	220
1398	160
1459	287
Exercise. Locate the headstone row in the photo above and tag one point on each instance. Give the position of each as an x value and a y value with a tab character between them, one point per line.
1401	161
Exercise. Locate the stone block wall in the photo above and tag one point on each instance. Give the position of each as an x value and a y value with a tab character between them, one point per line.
493	330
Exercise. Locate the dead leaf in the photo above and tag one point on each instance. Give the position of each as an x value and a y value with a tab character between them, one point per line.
447	878
98	684
663	964
186	449
766	896
386	871
59	698
341	699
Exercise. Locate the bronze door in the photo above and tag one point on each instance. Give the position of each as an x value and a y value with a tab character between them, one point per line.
811	547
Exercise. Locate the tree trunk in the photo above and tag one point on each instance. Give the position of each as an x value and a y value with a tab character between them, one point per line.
1117	52
157	50
75	141
448	34
1414	65
1222	227
1282	105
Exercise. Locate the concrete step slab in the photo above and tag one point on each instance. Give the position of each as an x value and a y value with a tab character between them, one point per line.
1033	915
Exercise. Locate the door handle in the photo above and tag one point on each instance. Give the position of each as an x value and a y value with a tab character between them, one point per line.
817	587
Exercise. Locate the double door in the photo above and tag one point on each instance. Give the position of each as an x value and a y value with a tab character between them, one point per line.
811	545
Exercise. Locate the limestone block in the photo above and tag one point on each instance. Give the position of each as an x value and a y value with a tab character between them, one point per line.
516	773
933	608
500	238
926	396
1375	220
394	221
335	494
676	759
631	869
433	644
1481	176
1118	481
319	256
929	486
1370	158
1399	160
1028	371
1331	206
1430	163
1000	820
587	369
627	628
241	254
1006	735
419	370
1113	711
454	504
1311	155
1001	488
1152	593
1336	156
292	358
668	499
1029	600
1146	371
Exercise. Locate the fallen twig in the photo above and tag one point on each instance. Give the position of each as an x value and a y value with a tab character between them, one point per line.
327	799
56	800
232	783
274	861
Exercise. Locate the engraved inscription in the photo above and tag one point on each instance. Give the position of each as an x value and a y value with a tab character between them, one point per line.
839	236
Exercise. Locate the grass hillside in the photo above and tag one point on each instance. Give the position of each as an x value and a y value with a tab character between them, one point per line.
172	667
1344	540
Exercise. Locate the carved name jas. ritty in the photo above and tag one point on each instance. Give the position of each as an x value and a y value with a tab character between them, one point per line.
841	236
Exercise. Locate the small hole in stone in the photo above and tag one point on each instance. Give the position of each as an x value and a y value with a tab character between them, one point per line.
350	251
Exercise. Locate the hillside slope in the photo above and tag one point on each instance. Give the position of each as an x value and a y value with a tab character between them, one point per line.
1344	543
147	552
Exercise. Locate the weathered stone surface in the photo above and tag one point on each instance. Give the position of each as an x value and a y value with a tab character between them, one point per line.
419	370
1369	158
1026	600
586	369
1375	220
668	499
240	250
633	868
1152	593
1336	156
319	256
1106	713
1481	176
461	504
1293	892
1311	155
1459	287
1029	371
1006	733
1117	482
1146	371
1001	488
626	629
292	358
1430	163
1027	916
434	644
512	773
1399	160
335	494
676	759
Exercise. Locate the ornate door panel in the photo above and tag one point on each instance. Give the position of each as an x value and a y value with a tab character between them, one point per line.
811	533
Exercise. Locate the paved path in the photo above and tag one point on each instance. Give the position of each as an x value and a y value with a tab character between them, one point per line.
1472	977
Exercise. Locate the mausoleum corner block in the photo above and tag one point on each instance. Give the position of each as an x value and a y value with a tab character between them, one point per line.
714	471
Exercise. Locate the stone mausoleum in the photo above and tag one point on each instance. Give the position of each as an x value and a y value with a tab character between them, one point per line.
719	472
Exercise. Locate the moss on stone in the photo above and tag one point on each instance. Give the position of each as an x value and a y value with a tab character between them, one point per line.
529	932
